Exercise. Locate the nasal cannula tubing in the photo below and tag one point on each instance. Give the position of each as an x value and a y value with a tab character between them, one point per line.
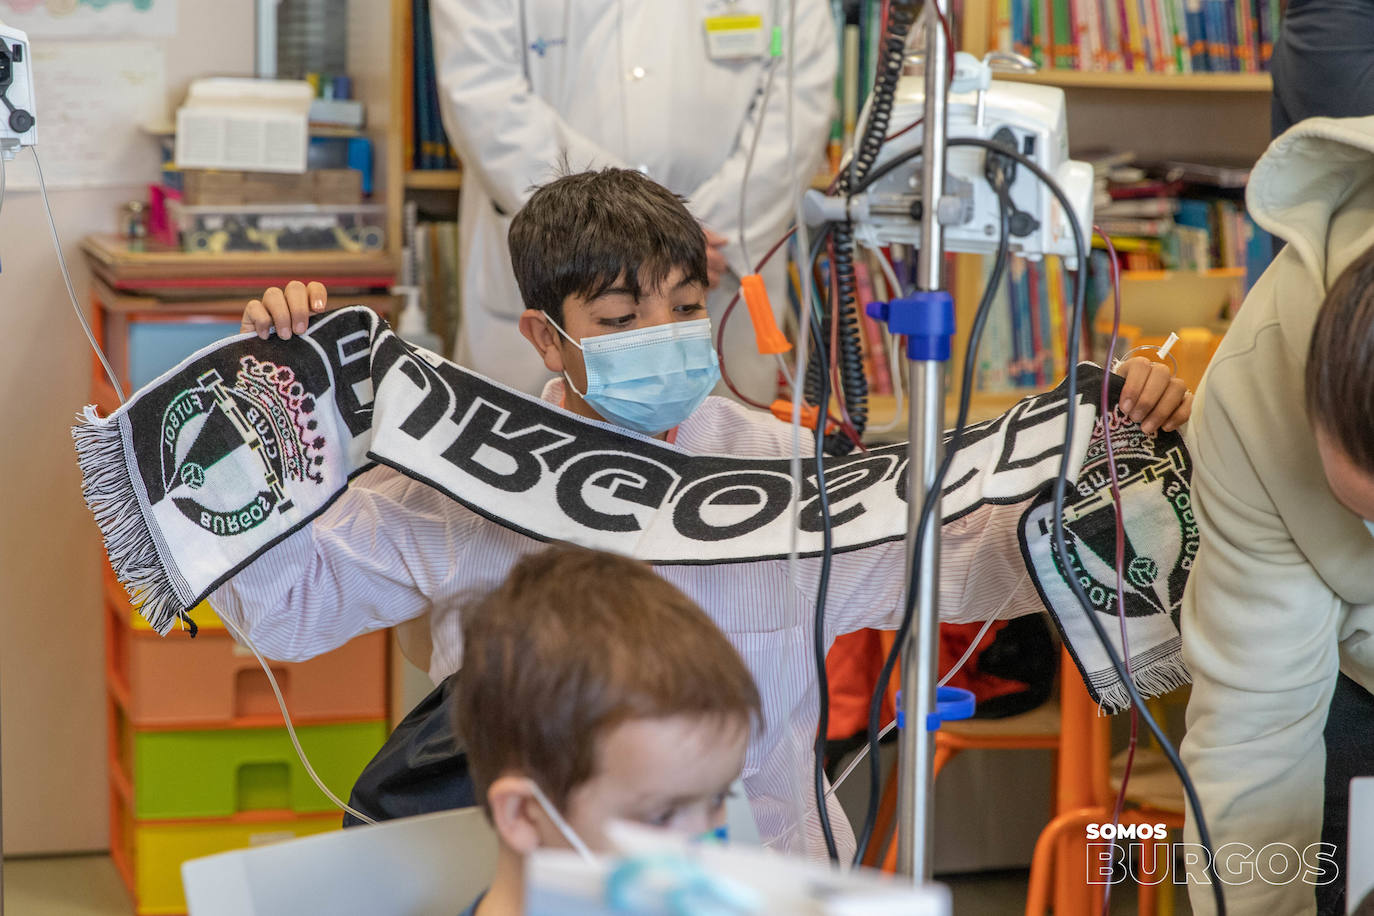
119	393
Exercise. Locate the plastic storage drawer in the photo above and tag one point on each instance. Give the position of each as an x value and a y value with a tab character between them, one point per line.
175	775
175	682
149	854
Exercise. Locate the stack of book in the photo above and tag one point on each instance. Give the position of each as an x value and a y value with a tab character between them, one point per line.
1177	215
1159	36
1025	342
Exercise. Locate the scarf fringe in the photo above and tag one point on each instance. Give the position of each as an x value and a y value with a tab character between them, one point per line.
109	492
1161	676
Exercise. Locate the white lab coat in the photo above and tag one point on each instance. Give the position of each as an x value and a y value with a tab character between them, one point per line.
525	85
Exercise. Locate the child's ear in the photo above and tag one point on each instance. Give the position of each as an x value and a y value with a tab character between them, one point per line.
513	813
545	339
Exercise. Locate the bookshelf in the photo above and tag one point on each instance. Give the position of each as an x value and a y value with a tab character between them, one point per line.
1194	116
1169	82
434	179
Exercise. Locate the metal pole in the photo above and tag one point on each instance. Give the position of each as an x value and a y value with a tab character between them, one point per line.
915	798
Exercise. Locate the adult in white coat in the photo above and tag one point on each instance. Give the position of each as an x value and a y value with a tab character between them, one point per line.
527	85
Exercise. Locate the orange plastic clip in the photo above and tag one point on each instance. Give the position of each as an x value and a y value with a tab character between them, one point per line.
782	409
767	335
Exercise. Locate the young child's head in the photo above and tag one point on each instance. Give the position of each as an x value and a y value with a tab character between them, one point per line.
1340	385
599	253
589	676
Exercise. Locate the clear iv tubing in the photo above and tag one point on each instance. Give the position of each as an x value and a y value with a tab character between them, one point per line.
67	278
863	752
894	345
291	729
119	393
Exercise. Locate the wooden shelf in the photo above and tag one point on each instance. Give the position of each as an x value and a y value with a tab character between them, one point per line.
1170	82
158	268
1160	276
434	179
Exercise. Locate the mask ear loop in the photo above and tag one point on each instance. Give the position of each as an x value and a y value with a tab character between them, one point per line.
554	325
1161	351
563	826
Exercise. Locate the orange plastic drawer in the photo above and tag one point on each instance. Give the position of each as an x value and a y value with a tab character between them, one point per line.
149	854
176	682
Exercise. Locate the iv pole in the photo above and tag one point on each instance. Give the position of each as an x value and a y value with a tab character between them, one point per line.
915	789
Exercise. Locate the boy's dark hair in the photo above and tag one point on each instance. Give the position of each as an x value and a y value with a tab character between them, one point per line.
1340	363
573	643
581	234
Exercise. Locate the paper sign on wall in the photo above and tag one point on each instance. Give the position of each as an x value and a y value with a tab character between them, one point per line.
91	18
91	99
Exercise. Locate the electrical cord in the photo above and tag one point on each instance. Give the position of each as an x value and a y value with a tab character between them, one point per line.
1061	484
67	278
1120	545
927	511
847	354
239	634
749	160
818	622
291	729
863	751
893	353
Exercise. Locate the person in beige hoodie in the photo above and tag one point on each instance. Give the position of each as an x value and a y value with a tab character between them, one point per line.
1279	609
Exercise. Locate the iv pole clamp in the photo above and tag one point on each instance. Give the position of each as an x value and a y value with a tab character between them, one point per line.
927	319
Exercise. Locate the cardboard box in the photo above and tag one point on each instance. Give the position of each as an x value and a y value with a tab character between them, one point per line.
277	188
337	186
201	188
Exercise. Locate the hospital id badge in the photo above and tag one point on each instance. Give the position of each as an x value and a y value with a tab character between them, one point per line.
735	37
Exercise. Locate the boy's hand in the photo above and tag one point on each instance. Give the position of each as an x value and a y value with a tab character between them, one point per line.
1152	396
288	310
715	257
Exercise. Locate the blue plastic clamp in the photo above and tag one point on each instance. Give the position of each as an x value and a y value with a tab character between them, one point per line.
951	705
927	320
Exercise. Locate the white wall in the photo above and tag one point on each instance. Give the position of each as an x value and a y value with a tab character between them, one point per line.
52	713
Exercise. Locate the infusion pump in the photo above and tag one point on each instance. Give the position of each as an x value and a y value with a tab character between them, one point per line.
17	117
1031	117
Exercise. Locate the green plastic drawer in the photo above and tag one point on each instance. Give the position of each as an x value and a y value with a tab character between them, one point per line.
222	772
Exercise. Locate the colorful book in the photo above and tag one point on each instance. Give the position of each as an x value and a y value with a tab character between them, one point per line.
1020	30
1113	13
875	359
1183	57
1197	38
1059	322
1035	318
1002	26
1037	33
1245	35
1154	51
1133	48
1065	51
1264	28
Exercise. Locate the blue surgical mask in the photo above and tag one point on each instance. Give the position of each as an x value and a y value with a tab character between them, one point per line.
648	379
1370	526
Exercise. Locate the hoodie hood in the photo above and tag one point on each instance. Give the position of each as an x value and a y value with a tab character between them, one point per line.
1314	189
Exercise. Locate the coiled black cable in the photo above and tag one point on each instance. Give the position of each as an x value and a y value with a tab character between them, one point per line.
849	361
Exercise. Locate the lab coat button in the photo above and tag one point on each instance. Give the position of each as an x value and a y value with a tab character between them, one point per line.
638	73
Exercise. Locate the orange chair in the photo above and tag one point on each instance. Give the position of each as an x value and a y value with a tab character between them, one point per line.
1086	789
1034	730
1084	793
